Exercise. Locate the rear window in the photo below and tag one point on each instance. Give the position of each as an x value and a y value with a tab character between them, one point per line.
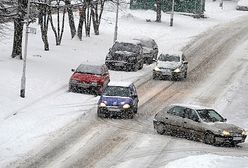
117	91
170	58
126	47
89	69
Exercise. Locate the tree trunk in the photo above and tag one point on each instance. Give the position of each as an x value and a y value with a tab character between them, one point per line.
88	21
18	29
71	18
97	15
158	10
43	21
81	22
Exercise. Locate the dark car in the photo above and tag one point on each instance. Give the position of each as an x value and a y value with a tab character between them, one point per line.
119	99
125	56
198	123
89	78
174	66
150	49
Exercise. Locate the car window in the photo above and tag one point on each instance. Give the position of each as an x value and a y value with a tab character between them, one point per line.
169	58
177	110
191	114
117	91
126	47
210	115
89	69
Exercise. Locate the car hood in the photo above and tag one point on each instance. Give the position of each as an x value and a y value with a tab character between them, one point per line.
87	78
124	53
116	100
167	64
147	50
225	126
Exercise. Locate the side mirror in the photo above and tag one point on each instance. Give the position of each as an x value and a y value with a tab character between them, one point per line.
185	62
73	70
225	119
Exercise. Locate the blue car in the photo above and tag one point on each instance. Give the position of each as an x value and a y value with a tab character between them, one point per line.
119	99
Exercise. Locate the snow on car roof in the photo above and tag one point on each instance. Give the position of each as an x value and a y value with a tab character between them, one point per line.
119	83
142	38
179	53
242	3
129	41
192	106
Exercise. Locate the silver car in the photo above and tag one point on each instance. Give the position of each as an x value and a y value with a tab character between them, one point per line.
174	66
198	123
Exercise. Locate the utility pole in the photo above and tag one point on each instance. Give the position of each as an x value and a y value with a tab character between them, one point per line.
23	79
116	21
172	12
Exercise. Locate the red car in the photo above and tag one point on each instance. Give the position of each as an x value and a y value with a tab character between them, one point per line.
89	78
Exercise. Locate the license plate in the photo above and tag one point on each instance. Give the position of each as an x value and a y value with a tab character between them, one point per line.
166	72
119	64
237	138
114	109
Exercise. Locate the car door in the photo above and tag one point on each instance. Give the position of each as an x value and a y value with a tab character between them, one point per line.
175	119
191	124
105	75
184	63
134	95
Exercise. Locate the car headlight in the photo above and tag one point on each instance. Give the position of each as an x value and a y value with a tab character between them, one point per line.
126	106
225	133
177	70
243	132
102	104
156	68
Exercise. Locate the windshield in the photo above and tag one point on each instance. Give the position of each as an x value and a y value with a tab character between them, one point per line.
117	91
209	115
170	58
89	69
125	47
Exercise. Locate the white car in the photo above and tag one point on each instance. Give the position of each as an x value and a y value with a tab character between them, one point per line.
242	5
174	66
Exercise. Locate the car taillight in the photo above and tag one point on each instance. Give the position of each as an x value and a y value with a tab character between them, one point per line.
101	81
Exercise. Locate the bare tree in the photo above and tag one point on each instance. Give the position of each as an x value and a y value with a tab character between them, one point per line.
158	10
96	12
82	13
71	17
44	12
59	30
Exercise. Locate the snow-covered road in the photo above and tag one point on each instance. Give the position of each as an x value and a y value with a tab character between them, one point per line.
218	77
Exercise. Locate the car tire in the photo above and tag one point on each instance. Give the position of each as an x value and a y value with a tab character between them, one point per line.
209	138
185	74
99	114
149	61
160	128
154	76
141	65
135	110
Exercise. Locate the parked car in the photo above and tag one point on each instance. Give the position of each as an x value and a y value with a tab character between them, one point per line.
119	99
150	49
89	78
125	55
174	66
199	123
242	5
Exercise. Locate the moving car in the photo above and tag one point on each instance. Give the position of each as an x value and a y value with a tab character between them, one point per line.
198	123
150	49
242	5
174	66
89	78
125	55
118	99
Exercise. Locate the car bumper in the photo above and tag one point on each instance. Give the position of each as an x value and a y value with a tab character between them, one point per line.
120	64
168	73
229	139
85	86
114	112
244	8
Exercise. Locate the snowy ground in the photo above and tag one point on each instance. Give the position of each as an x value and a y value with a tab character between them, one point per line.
26	123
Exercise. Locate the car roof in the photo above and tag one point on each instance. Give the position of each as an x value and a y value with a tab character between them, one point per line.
143	38
136	42
191	106
178	53
119	83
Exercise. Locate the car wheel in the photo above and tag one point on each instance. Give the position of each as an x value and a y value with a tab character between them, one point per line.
209	138
141	65
185	74
154	76
160	128
135	110
99	114
150	60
